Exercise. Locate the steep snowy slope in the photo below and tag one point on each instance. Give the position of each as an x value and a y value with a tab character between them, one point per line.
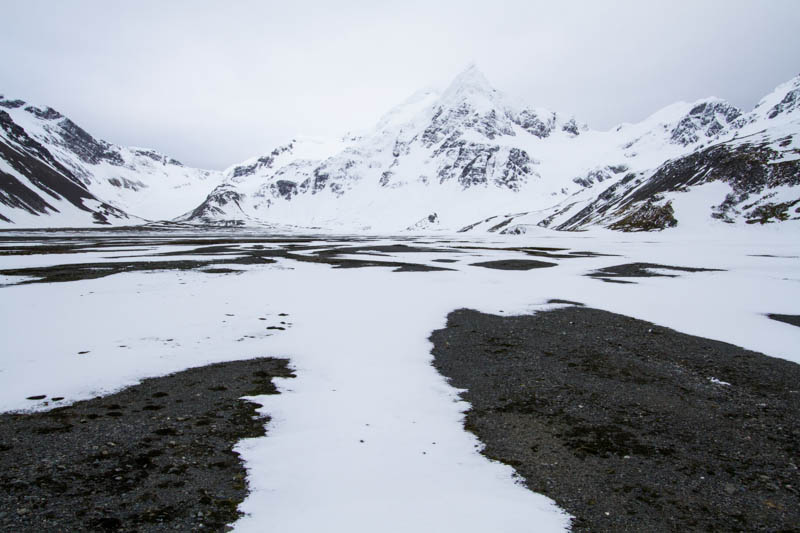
467	149
37	190
470	158
138	182
467	158
748	173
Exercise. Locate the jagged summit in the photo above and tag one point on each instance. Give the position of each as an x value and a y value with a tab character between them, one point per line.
470	152
468	157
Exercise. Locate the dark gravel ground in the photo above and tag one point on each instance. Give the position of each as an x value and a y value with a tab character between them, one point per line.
539	251
82	271
642	270
794	320
154	457
618	421
218	252
514	264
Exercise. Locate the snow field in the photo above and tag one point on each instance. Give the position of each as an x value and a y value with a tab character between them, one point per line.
351	442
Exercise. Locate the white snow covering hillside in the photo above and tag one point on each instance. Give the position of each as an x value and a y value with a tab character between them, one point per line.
140	182
469	154
465	158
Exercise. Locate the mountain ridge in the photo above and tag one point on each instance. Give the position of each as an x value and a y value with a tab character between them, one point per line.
468	137
140	184
458	158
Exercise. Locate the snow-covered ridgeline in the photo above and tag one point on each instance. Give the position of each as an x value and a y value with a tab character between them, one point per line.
465	158
454	159
140	183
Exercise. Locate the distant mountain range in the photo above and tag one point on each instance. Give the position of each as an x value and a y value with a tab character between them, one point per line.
466	159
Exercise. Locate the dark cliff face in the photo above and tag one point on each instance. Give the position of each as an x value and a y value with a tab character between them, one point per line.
11	104
89	149
66	133
19	137
51	180
47	113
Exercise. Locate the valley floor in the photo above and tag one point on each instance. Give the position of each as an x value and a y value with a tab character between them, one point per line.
368	436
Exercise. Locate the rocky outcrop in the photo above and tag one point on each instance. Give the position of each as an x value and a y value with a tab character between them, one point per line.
429	222
48	180
751	169
647	217
707	120
220	208
118	183
89	149
599	175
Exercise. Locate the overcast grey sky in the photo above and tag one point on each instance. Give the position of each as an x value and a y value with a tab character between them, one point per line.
214	82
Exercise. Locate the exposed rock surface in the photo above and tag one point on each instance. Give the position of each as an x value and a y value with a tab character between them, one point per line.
752	169
42	150
47	179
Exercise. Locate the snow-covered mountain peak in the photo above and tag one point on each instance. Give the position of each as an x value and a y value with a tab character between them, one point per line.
470	85
422	152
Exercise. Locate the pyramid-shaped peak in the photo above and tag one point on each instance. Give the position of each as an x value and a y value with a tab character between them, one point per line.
470	81
471	71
